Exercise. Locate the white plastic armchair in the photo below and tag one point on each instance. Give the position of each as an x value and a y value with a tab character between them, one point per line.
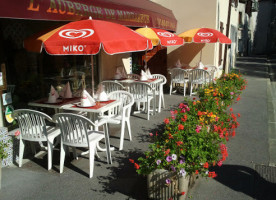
121	114
143	93
78	131
212	69
198	77
160	90
111	86
179	76
133	76
33	128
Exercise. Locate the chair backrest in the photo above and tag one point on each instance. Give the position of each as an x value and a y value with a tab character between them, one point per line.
160	76
178	75
126	99
32	124
133	76
111	86
140	91
199	76
74	129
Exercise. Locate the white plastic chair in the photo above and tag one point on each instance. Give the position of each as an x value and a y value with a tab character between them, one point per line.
212	69
111	86
198	77
77	131
142	93
159	90
33	128
179	76
121	114
133	76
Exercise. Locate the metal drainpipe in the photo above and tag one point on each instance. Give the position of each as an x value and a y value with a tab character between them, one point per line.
227	34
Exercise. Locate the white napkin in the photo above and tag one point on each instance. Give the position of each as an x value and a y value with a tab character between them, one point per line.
148	73
178	64
53	95
200	65
118	74
86	99
101	94
66	91
143	76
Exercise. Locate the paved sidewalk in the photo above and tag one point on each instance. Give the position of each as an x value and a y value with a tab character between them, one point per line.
246	173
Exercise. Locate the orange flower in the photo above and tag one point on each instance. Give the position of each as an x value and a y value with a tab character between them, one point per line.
130	160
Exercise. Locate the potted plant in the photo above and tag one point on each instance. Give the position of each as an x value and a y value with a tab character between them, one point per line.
194	138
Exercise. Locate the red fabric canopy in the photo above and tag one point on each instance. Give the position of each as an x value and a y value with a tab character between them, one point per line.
136	13
86	37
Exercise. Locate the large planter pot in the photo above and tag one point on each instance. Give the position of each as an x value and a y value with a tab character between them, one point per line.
158	189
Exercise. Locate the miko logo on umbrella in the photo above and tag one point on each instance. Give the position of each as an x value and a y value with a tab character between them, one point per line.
205	34
75	33
165	34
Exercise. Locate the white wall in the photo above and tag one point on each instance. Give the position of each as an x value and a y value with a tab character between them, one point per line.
191	14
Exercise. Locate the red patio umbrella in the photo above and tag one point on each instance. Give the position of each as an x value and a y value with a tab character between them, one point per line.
159	36
87	37
204	35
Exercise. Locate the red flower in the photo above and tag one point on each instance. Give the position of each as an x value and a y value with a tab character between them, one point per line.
180	127
167	152
130	160
212	174
206	165
136	166
175	112
179	143
231	109
194	103
196	172
238	114
166	121
183	193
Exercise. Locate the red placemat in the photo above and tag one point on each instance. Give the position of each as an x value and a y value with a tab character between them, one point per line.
97	106
64	101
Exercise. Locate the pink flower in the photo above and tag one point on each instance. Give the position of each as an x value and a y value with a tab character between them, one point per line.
219	163
198	128
17	133
150	134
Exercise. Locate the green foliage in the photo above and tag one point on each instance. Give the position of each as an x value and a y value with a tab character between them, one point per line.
3	152
195	134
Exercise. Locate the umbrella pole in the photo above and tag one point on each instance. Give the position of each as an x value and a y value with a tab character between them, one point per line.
92	74
145	67
200	55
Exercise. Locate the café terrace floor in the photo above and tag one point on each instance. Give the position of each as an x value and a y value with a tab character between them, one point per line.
238	177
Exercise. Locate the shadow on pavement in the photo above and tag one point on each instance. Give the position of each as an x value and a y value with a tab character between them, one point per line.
253	66
246	180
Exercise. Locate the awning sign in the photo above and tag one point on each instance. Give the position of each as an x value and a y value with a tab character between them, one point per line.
140	13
